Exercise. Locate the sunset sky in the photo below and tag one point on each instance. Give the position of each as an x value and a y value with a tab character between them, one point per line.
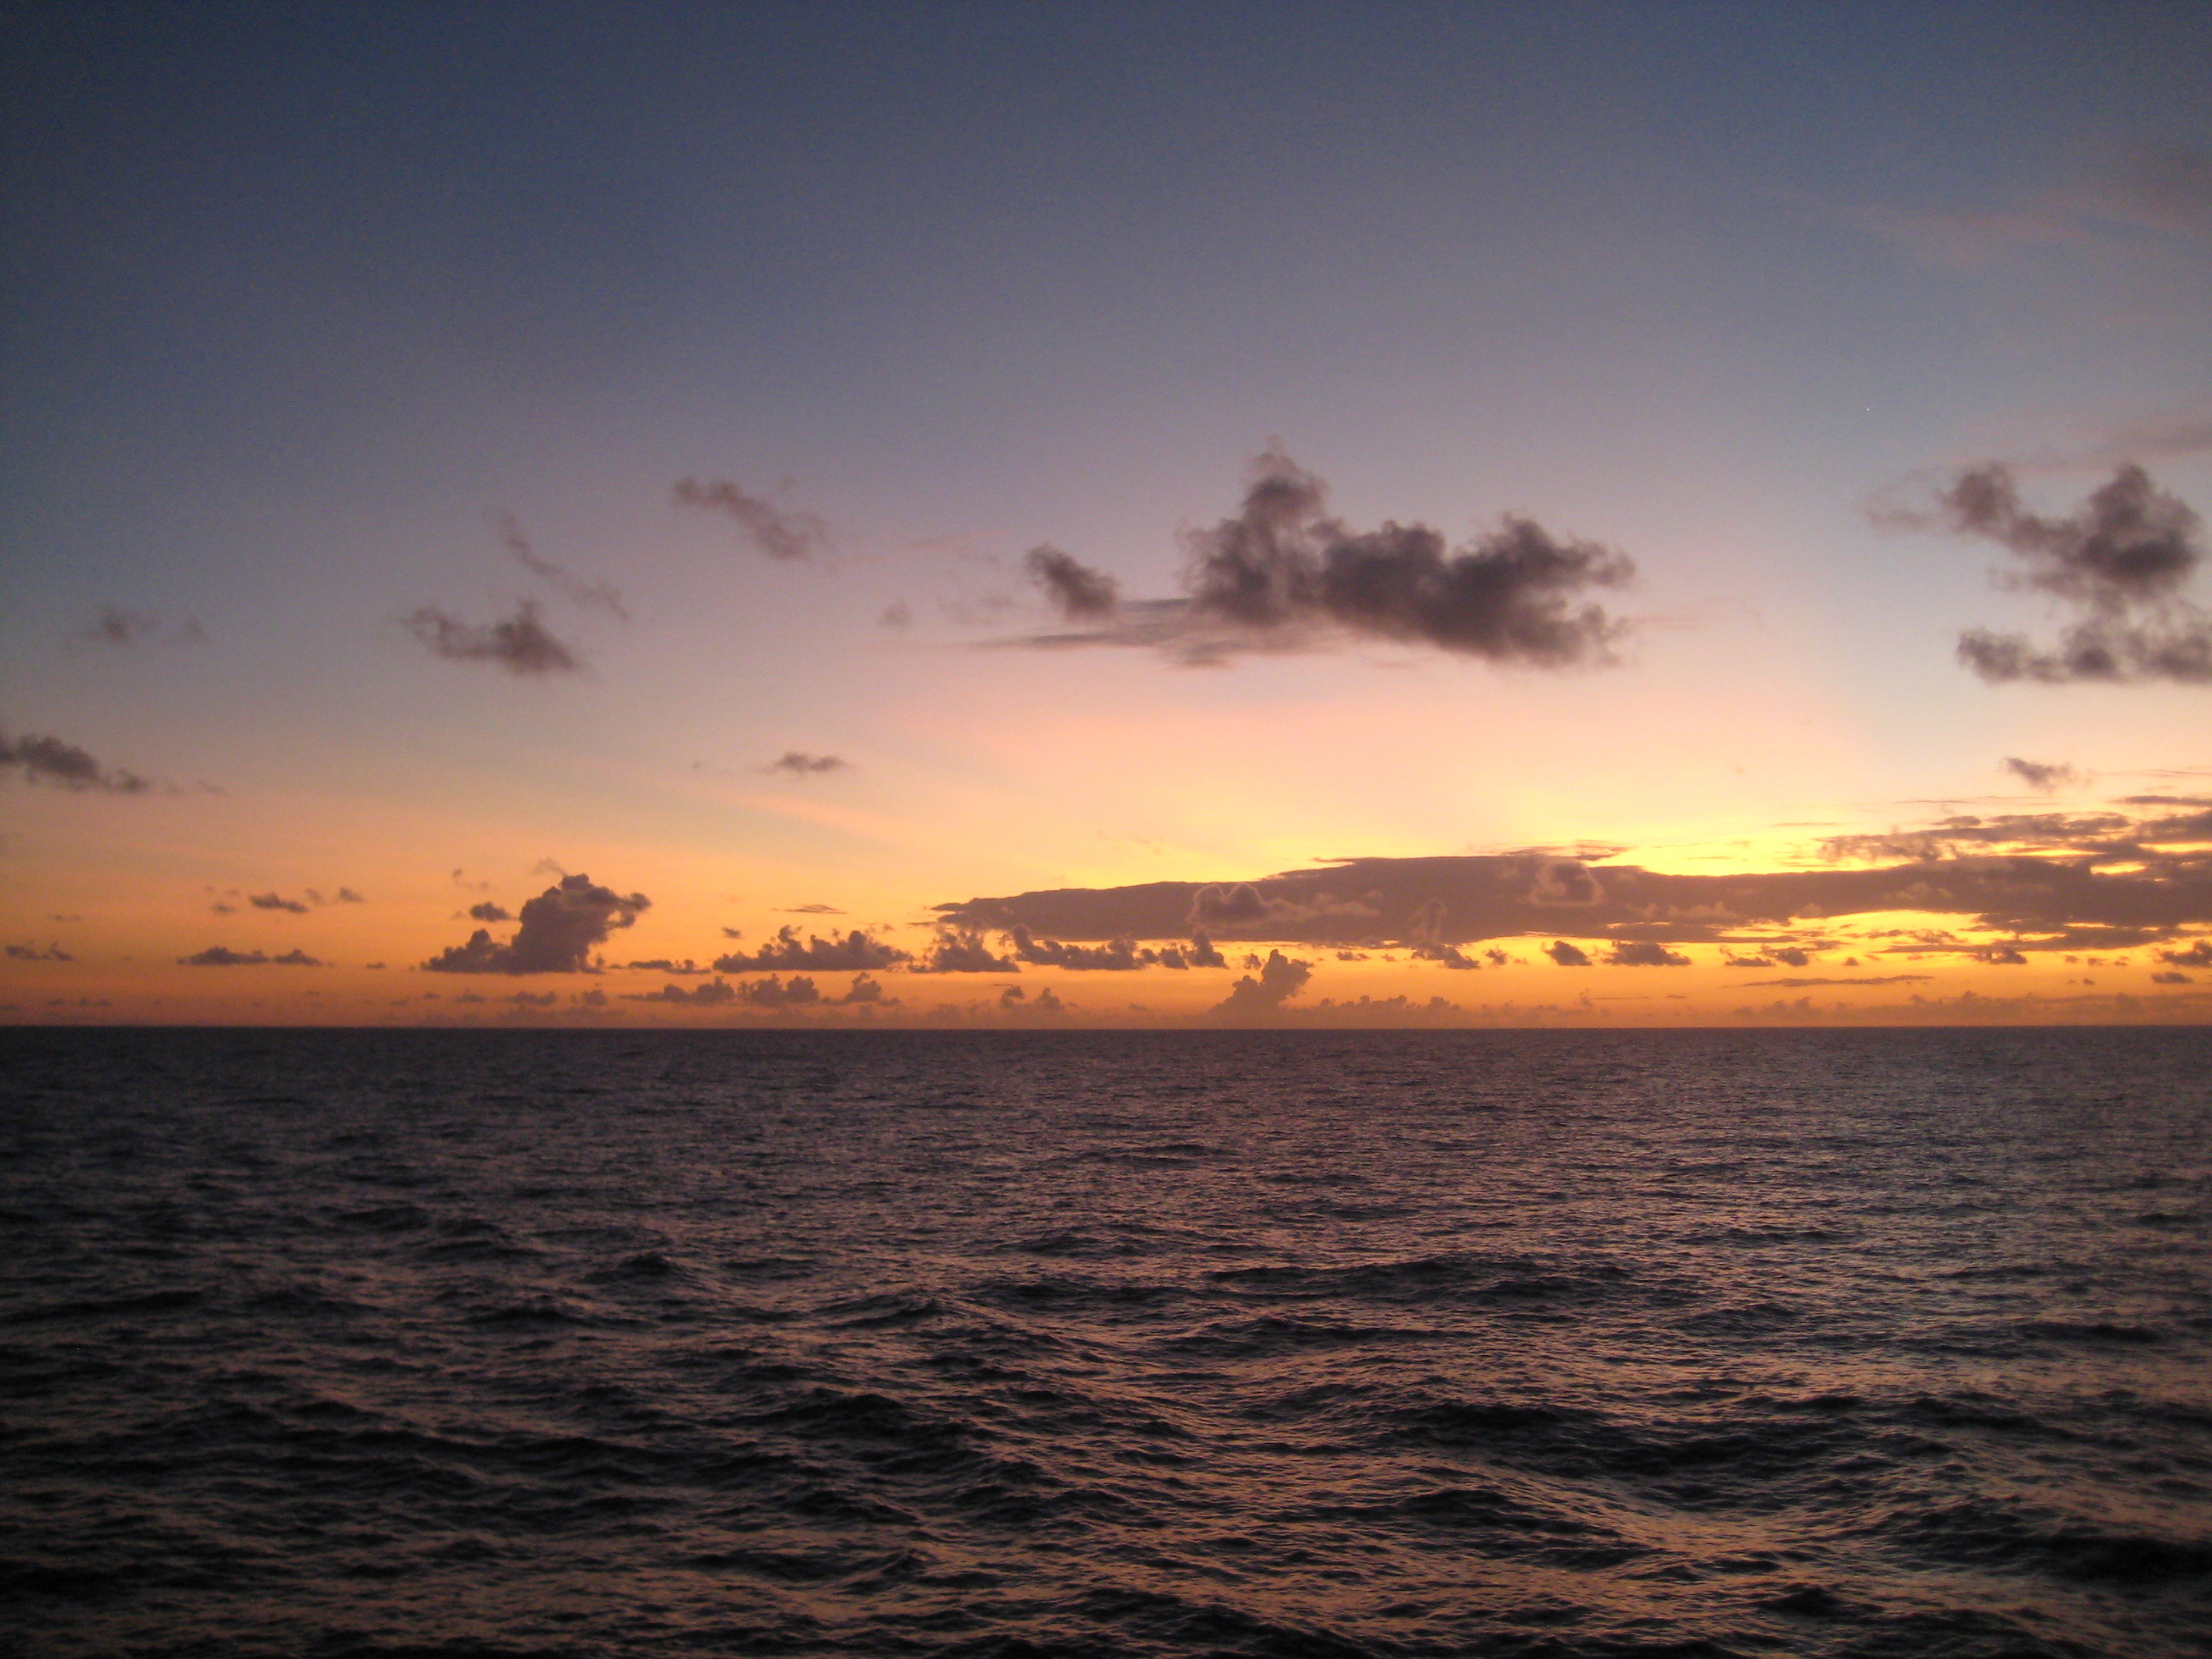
1564	514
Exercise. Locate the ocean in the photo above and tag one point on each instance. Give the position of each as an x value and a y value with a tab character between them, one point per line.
1311	1343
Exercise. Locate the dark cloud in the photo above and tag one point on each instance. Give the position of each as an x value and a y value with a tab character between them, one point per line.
1451	955
117	625
557	577
866	987
774	530
557	931
2120	562
1863	979
1566	954
962	950
1120	955
1280	979
802	765
1564	882
809	910
1014	1000
2047	776
1080	593
65	766
2198	955
32	953
773	993
712	994
347	895
664	965
489	912
2048	880
854	951
1284	575
2001	956
216	956
520	644
1642	953
277	902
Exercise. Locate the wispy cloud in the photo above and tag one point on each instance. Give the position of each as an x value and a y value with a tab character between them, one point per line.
779	533
122	627
558	577
64	766
801	765
520	644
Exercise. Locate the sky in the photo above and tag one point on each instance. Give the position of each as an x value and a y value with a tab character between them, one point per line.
979	514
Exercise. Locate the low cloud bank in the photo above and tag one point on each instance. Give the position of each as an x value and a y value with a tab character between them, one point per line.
2104	880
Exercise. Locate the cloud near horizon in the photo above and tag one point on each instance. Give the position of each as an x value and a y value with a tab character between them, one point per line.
2043	881
1283	575
856	952
557	931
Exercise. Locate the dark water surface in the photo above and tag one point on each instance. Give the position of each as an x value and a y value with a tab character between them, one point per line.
479	1343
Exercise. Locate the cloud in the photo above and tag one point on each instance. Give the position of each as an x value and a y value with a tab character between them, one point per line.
116	625
962	950
557	577
347	895
32	953
520	644
712	994
1642	953
772	993
809	910
2198	955
216	956
772	530
558	929
1451	955
2147	200
2106	880
1078	592
1863	979
853	952
664	965
2118	562
489	912
1283	575
65	766
802	765
276	901
2049	777
1120	955
1280	979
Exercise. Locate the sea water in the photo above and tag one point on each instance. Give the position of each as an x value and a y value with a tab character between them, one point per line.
1301	1344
